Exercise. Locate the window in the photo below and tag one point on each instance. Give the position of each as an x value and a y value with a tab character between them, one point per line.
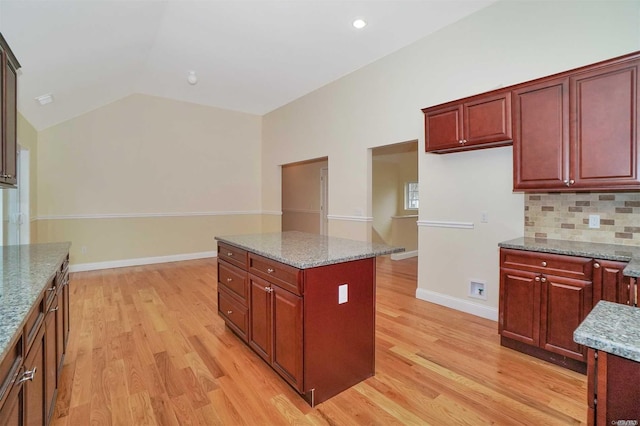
411	196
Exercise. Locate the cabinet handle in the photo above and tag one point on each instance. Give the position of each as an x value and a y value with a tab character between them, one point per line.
229	280
229	312
54	309
543	279
596	265
544	263
27	376
537	279
52	288
569	182
268	289
7	176
229	254
270	270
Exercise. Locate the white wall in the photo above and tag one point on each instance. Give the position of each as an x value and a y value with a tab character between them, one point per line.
147	177
506	43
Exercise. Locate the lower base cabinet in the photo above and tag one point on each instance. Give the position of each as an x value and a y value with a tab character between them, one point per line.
613	393
31	385
295	320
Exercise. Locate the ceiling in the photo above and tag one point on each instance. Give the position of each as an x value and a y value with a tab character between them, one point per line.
249	56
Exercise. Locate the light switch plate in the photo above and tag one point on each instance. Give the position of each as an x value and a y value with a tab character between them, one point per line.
343	294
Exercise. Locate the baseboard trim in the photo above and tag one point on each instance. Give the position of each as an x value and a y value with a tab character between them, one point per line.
457	304
81	267
404	255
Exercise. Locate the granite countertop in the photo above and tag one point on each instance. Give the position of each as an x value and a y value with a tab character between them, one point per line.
613	328
303	251
25	271
621	253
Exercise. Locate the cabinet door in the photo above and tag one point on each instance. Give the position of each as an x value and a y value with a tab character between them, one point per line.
50	370
287	336
519	306
565	303
260	317
609	283
34	390
541	135
10	142
65	313
605	127
443	128
487	120
11	413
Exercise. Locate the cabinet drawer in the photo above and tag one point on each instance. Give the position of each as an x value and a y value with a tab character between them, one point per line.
9	368
235	314
285	276
554	264
234	280
35	318
233	255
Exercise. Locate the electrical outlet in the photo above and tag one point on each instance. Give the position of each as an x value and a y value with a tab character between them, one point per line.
484	217
84	249
594	221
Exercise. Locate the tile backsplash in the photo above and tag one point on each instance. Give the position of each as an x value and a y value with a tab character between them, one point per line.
565	216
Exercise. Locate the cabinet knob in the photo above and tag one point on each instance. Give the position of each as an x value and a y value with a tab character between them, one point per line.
27	376
229	312
268	289
229	280
229	254
543	279
7	176
270	270
544	263
596	265
569	182
537	279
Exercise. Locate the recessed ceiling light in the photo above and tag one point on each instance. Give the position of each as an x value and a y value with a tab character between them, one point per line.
359	23
44	99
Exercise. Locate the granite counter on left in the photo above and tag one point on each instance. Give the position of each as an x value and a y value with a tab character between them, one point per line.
25	271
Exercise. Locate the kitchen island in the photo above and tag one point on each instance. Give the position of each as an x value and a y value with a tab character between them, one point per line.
304	303
611	331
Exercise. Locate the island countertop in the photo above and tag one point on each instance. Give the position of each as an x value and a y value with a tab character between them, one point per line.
26	269
613	328
302	250
602	251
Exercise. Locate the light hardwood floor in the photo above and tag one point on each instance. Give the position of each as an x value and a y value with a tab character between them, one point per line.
147	347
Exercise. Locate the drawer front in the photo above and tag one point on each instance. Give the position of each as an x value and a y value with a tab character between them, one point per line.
553	264
285	276
233	255
9	368
35	318
235	314
234	280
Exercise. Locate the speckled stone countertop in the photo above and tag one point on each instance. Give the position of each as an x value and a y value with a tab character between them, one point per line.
613	328
26	269
577	248
303	251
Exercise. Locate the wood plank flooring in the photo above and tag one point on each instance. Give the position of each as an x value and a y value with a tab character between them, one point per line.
148	348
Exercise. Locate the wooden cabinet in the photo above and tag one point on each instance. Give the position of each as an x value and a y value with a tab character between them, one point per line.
612	389
471	123
293	318
578	130
610	284
8	114
28	386
543	299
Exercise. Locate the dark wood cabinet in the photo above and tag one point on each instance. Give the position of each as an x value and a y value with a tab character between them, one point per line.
471	123
578	130
319	344
612	389
9	66
29	385
543	299
610	284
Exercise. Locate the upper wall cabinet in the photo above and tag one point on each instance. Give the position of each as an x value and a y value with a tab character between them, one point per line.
472	123
577	131
8	115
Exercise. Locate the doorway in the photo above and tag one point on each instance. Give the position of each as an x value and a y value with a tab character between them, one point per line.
305	196
14	205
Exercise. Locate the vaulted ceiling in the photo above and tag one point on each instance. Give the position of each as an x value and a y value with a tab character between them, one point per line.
249	56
